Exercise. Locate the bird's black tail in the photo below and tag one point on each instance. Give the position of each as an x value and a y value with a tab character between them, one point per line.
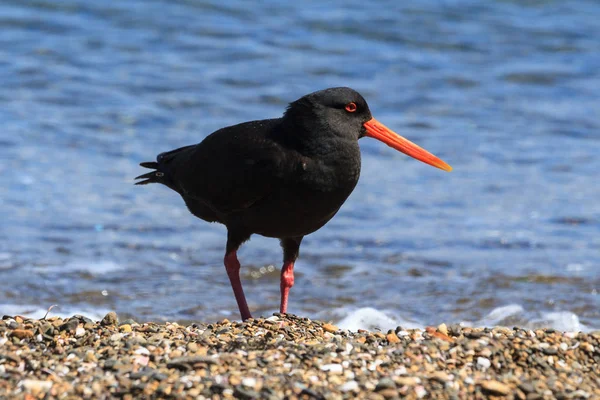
161	168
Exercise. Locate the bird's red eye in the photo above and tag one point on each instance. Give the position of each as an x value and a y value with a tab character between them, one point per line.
351	107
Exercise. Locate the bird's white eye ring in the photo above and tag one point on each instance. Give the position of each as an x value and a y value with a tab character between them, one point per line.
350	107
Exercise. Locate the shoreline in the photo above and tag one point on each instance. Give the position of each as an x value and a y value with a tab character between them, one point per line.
292	357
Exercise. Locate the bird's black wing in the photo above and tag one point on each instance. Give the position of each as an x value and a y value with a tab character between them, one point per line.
232	168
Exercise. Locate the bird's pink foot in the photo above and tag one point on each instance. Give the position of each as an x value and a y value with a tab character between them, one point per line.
232	265
287	281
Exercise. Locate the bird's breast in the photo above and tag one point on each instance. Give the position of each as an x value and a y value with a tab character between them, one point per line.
317	192
312	190
338	171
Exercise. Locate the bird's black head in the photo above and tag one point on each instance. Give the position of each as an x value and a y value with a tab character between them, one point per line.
340	112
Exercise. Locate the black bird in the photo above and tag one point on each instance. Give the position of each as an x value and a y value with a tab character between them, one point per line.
282	178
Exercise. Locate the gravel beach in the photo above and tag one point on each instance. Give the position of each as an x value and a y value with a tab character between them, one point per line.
286	356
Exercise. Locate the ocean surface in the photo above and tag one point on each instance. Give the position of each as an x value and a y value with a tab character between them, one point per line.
507	92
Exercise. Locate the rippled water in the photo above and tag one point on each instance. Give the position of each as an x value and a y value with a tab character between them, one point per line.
506	91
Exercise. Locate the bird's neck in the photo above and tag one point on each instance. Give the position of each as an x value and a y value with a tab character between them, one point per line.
307	135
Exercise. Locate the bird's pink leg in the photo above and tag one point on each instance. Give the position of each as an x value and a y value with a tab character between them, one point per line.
287	281
232	265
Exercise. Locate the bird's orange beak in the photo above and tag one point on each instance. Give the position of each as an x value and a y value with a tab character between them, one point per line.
379	131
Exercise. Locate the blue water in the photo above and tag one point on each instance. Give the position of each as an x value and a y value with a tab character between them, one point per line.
507	92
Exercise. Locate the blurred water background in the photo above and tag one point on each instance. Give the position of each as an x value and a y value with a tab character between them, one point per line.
507	92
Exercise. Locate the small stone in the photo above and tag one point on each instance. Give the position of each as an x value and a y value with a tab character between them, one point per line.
495	387
349	386
22	333
125	328
385	383
110	363
115	337
70	326
438	335
82	319
249	382
443	329
483	362
90	356
392	338
587	347
388	393
11	323
110	319
406	381
89	325
189	362
563	346
420	392
245	393
486	352
333	368
192	347
440	376
36	386
534	396
474	334
235	380
580	394
79	331
142	351
330	328
527	387
176	353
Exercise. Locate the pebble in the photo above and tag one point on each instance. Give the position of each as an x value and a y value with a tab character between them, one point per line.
588	347
22	333
526	387
330	328
333	368
36	387
485	353
407	381
110	319
349	386
483	362
192	347
564	347
70	326
392	338
495	387
249	382
441	376
286	356
420	392
443	329
385	383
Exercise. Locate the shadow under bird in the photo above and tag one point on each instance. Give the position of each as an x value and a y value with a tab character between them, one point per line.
282	178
